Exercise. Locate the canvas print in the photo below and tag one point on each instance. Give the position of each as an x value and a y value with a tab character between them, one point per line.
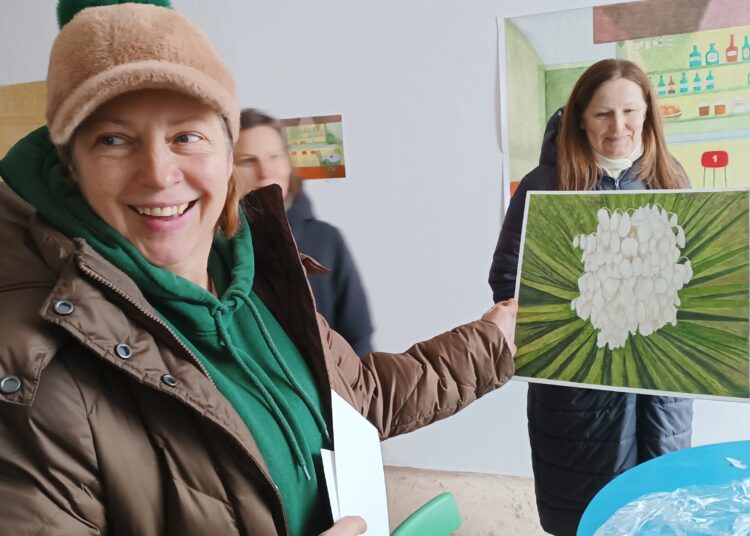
316	146
698	63
636	291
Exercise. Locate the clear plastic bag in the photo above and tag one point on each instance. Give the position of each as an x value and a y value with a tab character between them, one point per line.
721	510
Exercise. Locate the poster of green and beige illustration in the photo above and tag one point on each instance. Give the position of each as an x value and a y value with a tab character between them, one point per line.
637	291
696	54
316	146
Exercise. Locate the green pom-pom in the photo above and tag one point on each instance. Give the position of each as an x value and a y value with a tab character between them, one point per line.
67	9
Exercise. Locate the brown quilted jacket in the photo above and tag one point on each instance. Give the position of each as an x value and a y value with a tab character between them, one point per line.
99	440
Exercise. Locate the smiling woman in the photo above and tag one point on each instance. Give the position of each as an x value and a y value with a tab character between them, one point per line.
162	365
608	137
613	120
168	162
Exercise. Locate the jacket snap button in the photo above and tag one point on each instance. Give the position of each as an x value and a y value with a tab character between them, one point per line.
124	351
9	385
170	380
63	307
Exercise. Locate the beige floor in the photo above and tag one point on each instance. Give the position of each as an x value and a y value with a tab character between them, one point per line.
489	504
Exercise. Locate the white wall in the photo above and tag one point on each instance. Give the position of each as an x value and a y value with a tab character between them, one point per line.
547	31
416	83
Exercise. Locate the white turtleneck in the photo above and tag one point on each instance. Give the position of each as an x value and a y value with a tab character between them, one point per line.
613	167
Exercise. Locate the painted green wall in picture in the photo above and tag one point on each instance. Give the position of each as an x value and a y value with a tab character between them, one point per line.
558	83
525	86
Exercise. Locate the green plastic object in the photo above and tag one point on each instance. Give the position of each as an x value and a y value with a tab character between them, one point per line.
439	517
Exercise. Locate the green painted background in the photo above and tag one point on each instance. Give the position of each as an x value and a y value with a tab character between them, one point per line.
706	352
525	102
530	84
558	83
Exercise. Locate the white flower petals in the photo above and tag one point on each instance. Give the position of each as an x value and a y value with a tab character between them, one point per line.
624	227
633	269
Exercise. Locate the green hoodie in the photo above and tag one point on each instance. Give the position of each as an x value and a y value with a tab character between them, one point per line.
252	360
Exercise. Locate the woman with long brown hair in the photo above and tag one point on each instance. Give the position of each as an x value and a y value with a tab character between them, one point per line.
609	136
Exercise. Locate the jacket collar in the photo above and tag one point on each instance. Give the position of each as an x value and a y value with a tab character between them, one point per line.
300	210
281	279
629	180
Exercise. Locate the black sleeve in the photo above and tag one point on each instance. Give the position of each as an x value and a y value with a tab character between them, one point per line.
505	260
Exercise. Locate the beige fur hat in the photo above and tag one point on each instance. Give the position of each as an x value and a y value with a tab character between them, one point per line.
106	51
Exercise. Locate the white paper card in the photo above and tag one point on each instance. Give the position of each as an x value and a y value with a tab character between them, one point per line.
358	468
329	470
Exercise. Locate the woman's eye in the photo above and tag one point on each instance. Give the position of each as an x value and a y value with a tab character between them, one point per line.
111	140
187	138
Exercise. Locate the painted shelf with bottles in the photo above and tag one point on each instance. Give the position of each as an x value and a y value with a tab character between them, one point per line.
717	66
710	94
728	78
706	93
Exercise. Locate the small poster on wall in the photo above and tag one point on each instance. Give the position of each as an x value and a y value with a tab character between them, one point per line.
22	108
642	292
696	54
316	146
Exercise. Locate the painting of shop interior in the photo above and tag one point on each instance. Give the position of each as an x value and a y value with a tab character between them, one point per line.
696	54
316	146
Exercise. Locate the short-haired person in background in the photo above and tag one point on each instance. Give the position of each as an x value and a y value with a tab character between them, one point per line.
261	158
609	136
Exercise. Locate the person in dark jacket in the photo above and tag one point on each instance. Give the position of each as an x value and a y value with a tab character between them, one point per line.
608	137
261	159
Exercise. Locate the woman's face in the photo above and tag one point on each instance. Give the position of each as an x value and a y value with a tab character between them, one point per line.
614	118
155	165
261	159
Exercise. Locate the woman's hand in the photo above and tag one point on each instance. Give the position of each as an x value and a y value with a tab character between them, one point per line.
347	526
503	315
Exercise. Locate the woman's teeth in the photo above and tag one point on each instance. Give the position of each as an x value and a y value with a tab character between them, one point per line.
162	211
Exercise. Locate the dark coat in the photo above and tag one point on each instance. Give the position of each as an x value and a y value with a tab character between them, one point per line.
339	294
582	438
